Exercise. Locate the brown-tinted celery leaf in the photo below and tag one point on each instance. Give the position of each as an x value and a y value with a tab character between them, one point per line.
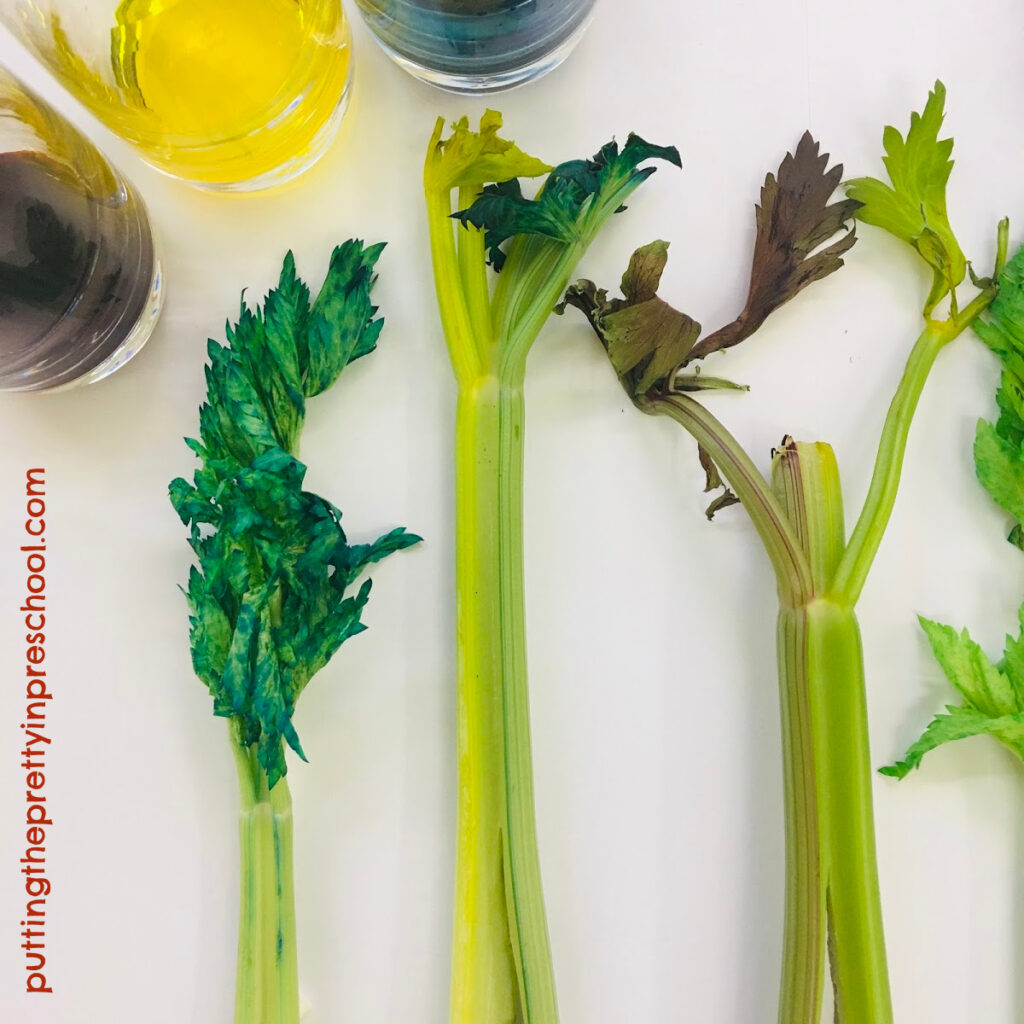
794	218
712	482
646	339
724	500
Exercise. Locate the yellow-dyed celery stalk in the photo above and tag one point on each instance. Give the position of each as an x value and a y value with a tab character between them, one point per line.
501	961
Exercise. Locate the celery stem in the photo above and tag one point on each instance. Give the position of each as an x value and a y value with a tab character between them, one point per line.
267	987
501	955
769	518
832	893
830	833
473	271
885	479
467	360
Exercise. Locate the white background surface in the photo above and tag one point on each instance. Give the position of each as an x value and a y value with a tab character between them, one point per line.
651	632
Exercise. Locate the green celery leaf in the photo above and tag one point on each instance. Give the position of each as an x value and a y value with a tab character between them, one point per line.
1003	332
960	723
913	207
993	696
999	464
969	669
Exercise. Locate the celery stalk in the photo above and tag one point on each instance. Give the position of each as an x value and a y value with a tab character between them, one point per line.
501	960
269	595
832	893
267	979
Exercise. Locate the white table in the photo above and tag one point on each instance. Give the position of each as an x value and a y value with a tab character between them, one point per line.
651	632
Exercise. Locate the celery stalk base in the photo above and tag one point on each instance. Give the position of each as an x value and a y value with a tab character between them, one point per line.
501	964
267	983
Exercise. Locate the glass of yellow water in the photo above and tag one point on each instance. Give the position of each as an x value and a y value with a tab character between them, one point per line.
231	95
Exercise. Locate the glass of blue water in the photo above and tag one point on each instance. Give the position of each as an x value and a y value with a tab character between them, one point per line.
477	46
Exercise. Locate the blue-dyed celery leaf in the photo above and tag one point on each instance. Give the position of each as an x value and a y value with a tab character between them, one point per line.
269	596
574	201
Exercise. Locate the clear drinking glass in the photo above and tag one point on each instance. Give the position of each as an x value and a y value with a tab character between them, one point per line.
227	94
477	46
80	281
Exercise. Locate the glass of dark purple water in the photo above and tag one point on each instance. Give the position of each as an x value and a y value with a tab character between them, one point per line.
477	46
80	280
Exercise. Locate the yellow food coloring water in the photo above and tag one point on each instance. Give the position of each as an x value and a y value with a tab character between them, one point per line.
218	90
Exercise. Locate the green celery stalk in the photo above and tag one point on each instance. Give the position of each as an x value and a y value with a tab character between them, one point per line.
268	597
501	960
832	892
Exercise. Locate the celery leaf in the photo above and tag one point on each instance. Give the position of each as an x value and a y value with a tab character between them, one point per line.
794	218
968	668
646	339
476	158
993	696
268	598
960	723
576	198
913	207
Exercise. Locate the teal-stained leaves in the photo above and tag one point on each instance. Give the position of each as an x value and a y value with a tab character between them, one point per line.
341	324
269	597
913	206
574	201
993	695
288	351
